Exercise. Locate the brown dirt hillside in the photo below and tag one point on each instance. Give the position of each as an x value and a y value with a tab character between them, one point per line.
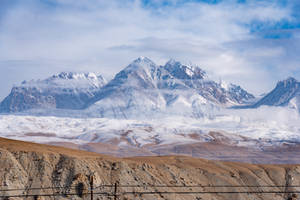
25	166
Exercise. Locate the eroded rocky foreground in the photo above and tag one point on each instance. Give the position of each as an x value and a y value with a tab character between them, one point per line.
60	170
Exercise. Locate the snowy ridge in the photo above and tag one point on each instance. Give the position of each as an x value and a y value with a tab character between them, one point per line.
68	80
286	94
66	90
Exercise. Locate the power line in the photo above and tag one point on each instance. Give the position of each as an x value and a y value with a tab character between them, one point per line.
205	186
54	194
159	186
156	192
215	192
117	193
42	188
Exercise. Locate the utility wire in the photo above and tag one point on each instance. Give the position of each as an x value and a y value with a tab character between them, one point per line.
204	186
156	192
160	186
41	188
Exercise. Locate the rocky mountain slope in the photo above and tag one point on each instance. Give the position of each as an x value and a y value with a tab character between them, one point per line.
60	170
286	93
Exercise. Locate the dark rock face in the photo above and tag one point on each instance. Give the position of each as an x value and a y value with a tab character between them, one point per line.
22	98
239	95
180	71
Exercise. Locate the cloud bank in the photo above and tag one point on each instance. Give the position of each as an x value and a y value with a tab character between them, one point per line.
252	43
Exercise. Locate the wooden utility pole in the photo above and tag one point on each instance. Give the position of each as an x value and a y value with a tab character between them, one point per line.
92	186
116	191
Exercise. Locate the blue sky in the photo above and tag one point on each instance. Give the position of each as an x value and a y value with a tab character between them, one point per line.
251	43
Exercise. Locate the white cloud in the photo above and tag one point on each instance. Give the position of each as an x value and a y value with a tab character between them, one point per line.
104	36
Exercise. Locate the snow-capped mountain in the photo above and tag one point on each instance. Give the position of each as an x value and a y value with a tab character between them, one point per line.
132	91
144	88
195	78
286	93
66	90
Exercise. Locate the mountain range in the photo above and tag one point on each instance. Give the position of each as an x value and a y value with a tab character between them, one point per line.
141	88
148	109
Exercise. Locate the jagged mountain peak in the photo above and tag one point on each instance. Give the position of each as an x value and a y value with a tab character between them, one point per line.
175	68
289	82
172	61
282	94
289	85
143	69
141	62
290	79
184	71
143	59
